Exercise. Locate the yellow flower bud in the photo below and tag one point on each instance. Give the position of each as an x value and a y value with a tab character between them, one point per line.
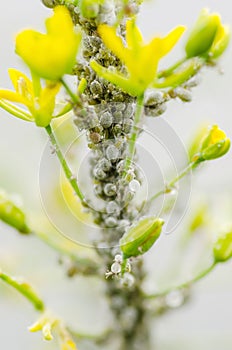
215	144
220	43
203	34
50	55
141	237
223	248
12	215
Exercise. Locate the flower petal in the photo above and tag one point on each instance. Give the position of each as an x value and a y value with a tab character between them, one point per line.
16	77
170	40
127	85
46	104
13	97
50	55
112	41
134	37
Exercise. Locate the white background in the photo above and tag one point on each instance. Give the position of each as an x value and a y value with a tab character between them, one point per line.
205	323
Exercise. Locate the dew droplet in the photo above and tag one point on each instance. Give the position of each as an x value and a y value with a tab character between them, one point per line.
116	268
111	221
112	153
112	207
118	258
134	185
174	299
128	280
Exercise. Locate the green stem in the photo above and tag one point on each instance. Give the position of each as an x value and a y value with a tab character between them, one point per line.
69	175
134	134
25	289
173	182
94	337
165	73
74	97
17	112
183	285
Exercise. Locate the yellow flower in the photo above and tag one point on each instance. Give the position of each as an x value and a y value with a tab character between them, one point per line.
223	247
140	59
50	55
68	345
214	145
40	101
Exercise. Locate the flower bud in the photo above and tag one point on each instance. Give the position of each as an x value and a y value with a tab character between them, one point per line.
203	34
215	144
89	8
49	3
12	215
220	43
141	237
223	248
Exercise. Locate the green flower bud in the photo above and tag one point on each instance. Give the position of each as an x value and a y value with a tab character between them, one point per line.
89	8
49	3
215	144
203	34
223	248
220	43
12	215
141	237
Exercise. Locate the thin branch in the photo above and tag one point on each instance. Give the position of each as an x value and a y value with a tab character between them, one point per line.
183	285
23	288
69	175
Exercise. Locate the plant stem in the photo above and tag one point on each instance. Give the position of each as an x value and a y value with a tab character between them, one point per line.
17	112
74	97
69	175
134	134
25	289
172	183
183	285
165	73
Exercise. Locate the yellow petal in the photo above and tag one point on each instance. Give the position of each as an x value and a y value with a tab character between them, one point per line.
133	35
13	97
46	103
127	85
112	41
217	135
170	40
50	55
21	82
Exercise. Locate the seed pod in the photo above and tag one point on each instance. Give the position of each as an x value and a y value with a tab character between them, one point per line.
141	237
12	215
223	248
